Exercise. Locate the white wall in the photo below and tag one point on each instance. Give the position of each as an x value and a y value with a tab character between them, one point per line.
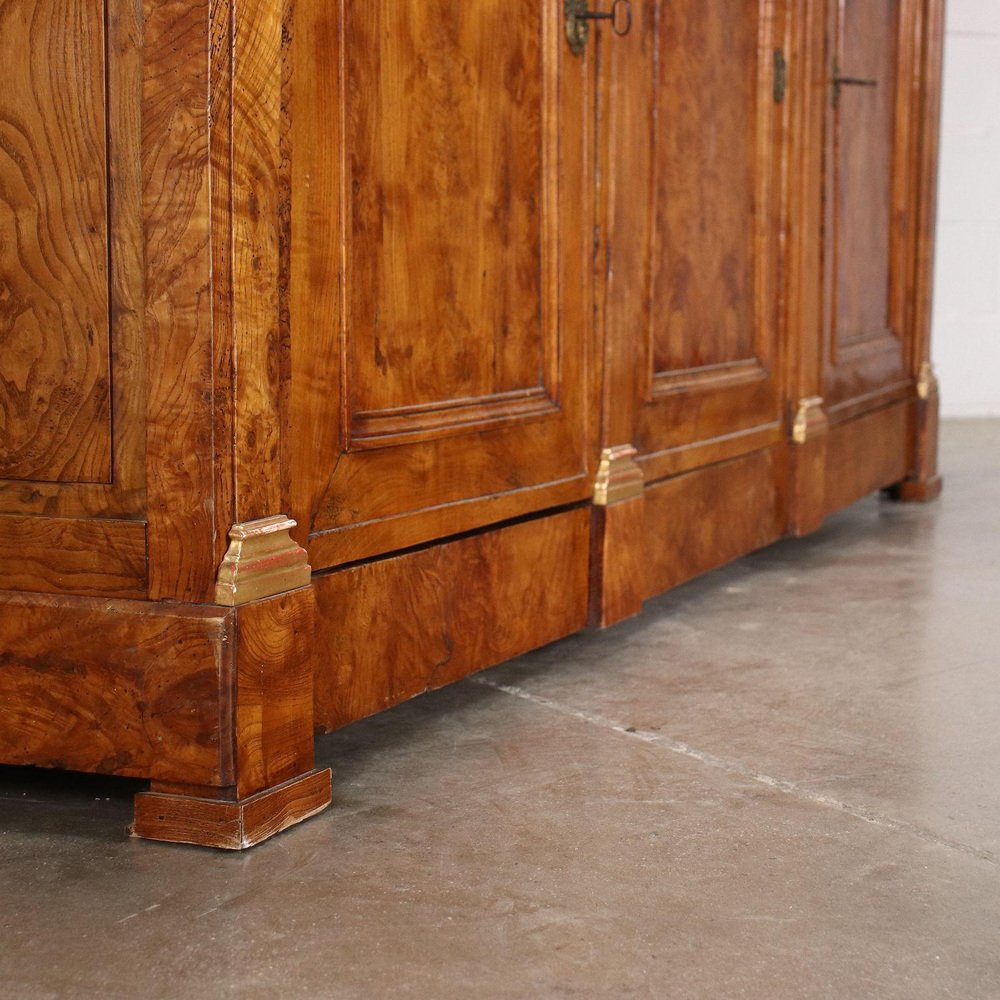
966	330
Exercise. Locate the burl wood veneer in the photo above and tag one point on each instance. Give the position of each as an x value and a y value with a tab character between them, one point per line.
348	348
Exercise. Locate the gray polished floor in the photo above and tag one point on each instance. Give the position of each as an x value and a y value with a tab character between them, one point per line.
781	781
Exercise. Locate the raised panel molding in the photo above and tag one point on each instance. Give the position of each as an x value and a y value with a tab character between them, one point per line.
869	179
55	350
444	334
72	345
713	196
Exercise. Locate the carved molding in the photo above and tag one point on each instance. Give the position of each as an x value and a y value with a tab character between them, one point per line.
618	476
263	560
810	420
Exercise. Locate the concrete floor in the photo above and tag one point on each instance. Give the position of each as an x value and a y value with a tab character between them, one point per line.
781	781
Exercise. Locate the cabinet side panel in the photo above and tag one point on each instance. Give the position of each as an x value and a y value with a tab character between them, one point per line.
115	687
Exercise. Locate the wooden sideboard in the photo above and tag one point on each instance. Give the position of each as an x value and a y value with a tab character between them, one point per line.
347	348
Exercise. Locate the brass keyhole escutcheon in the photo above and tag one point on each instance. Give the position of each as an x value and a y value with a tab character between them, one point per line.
578	20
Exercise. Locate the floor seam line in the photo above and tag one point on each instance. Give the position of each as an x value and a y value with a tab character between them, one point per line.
789	788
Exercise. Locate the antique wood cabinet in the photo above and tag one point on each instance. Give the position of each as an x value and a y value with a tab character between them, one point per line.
347	348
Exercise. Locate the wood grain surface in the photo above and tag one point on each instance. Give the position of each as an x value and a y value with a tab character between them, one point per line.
438	218
71	262
274	690
866	454
871	151
693	199
706	518
55	351
233	826
391	629
117	687
617	562
176	205
65	556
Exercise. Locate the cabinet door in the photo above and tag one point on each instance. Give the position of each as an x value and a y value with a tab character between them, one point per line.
65	308
871	127
693	248
439	269
71	298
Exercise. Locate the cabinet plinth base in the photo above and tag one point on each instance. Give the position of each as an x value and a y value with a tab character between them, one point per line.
233	826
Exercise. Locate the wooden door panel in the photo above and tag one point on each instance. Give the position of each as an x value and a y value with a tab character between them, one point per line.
55	399
711	334
867	201
437	311
705	160
457	346
71	276
864	161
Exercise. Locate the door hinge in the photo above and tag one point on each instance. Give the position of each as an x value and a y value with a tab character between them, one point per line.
780	76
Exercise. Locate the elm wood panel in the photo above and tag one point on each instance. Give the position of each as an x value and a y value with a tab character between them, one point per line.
705	171
71	280
228	825
704	519
64	556
434	193
367	472
274	691
617	562
55	381
872	136
116	687
712	349
392	629
867	454
865	115
184	543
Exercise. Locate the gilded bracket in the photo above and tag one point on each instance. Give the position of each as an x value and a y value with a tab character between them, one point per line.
810	420
263	560
927	382
618	476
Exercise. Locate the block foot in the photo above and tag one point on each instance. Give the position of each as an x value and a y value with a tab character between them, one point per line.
230	825
916	490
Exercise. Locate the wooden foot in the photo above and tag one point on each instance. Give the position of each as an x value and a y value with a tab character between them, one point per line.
916	490
230	825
